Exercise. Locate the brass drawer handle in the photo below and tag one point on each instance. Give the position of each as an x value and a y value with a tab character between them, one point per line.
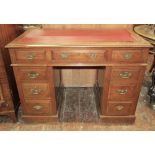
122	91
33	75
127	56
37	107
35	91
125	75
30	56
92	55
120	107
64	55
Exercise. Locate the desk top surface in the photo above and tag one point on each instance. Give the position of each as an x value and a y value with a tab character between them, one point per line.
78	38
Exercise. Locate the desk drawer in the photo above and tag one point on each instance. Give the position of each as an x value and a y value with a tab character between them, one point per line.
129	56
29	56
121	93
79	55
119	109
37	107
126	75
32	73
36	90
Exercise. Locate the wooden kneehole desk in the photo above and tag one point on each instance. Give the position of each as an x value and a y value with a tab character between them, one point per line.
118	55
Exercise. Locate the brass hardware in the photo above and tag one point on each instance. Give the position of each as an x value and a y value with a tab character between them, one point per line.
37	107
64	55
30	56
33	75
125	75
122	91
92	55
35	91
119	107
127	56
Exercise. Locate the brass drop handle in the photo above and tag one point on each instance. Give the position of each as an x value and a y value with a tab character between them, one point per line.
33	75
36	91
127	56
119	107
30	56
37	107
64	55
92	55
122	91
125	75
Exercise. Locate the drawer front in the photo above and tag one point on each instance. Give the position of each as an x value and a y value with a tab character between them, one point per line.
29	56
119	109
37	107
129	56
126	75
36	90
32	73
79	55
121	93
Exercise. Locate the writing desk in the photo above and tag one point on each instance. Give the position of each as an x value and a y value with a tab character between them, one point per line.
37	52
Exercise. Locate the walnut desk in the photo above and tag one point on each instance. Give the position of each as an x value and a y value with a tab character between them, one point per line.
37	52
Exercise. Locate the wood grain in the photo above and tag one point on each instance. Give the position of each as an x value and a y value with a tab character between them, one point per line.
115	97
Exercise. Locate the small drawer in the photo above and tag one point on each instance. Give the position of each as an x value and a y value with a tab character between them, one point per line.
121	93
126	75
36	90
30	56
37	107
79	55
129	56
119	109
32	73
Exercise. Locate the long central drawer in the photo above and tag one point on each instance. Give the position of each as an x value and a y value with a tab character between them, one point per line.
79	55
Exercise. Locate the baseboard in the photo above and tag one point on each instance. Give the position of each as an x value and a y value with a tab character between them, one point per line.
118	119
40	119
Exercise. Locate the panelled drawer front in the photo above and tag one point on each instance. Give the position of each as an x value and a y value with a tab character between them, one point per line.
80	55
37	107
30	56
128	56
126	75
121	93
36	90
118	109
32	73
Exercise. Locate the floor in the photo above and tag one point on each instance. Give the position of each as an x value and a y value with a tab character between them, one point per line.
79	105
145	117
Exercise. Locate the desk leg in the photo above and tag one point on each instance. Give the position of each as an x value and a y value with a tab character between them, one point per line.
104	94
